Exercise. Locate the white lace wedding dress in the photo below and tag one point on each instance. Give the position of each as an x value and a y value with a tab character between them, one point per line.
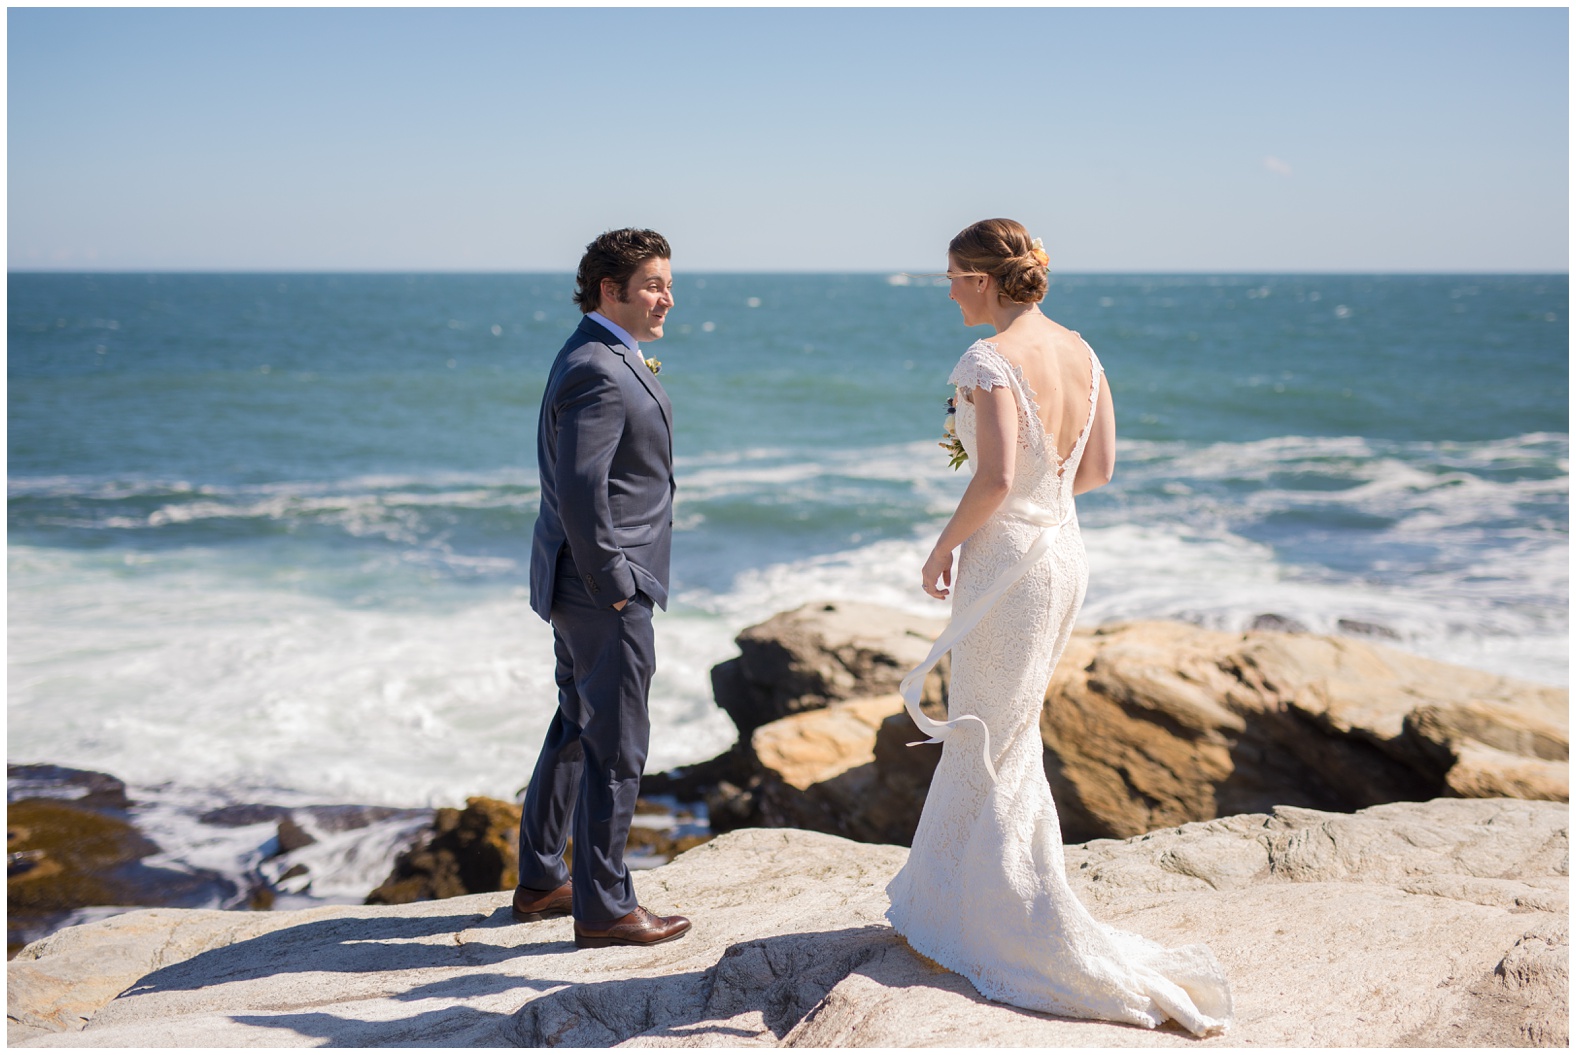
984	892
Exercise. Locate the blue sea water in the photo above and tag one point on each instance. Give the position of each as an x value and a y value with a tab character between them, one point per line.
269	534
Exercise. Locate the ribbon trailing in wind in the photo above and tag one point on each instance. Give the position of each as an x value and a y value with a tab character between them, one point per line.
963	622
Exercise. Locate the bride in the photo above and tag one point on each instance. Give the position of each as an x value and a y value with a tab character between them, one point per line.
984	892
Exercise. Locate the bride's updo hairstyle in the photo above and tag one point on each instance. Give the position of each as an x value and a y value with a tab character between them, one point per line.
1003	250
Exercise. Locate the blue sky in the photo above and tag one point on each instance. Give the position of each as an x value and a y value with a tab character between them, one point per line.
788	139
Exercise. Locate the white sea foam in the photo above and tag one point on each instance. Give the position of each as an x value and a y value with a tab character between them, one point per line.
1221	581
186	676
750	471
1226	583
131	486
189	665
340	864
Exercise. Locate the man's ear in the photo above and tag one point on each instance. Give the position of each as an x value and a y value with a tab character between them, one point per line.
609	291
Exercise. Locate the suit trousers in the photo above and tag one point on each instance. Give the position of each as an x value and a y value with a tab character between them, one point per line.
587	777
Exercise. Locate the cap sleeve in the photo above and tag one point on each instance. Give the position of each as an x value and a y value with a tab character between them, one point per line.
981	367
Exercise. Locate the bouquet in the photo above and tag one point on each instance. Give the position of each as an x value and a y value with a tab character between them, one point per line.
949	436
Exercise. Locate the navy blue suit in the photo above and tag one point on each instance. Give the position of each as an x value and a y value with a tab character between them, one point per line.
603	535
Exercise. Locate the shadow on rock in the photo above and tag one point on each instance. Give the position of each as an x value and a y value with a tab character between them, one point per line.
758	991
447	1027
347	944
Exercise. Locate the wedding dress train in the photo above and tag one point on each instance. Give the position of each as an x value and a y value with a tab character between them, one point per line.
984	891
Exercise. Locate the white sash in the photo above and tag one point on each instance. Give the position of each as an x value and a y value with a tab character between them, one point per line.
963	622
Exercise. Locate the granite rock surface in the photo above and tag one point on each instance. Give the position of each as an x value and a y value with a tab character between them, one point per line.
1433	923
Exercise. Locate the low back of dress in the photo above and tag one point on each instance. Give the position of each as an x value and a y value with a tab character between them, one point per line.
1040	476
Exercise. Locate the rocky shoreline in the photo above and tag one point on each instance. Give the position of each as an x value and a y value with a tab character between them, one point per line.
73	845
78	852
1147	726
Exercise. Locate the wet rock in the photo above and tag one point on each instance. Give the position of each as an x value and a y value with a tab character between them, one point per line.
661	831
72	852
66	855
1271	621
292	836
351	817
88	789
467	851
244	814
476	850
1365	629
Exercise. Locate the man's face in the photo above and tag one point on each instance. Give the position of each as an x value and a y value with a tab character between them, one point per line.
644	302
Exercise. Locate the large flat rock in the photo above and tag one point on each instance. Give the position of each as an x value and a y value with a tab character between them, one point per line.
1436	923
1152	723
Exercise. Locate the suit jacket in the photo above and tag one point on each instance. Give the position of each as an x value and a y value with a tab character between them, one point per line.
604	449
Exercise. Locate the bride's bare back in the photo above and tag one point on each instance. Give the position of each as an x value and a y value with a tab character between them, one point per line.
1055	364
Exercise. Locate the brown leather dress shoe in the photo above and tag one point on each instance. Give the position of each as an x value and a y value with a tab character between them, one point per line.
532	905
638	928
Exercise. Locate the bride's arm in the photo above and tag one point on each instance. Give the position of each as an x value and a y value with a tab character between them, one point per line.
1099	456
996	436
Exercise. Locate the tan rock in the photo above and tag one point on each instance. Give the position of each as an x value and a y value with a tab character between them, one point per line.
1150	724
815	746
828	770
1153	723
818	654
1411	924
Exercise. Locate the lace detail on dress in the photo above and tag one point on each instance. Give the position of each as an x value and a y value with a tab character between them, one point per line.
1019	933
981	367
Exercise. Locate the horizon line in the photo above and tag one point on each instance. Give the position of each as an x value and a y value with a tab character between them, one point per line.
753	272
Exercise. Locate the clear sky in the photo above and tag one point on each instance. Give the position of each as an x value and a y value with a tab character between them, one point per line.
788	139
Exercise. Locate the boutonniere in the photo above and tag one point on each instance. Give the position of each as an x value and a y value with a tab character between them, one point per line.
654	365
949	436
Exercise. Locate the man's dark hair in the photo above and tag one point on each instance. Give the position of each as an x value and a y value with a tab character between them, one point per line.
615	255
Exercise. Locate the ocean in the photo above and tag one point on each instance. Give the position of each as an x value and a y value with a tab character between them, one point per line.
269	535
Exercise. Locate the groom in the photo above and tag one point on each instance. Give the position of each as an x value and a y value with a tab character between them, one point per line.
599	562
